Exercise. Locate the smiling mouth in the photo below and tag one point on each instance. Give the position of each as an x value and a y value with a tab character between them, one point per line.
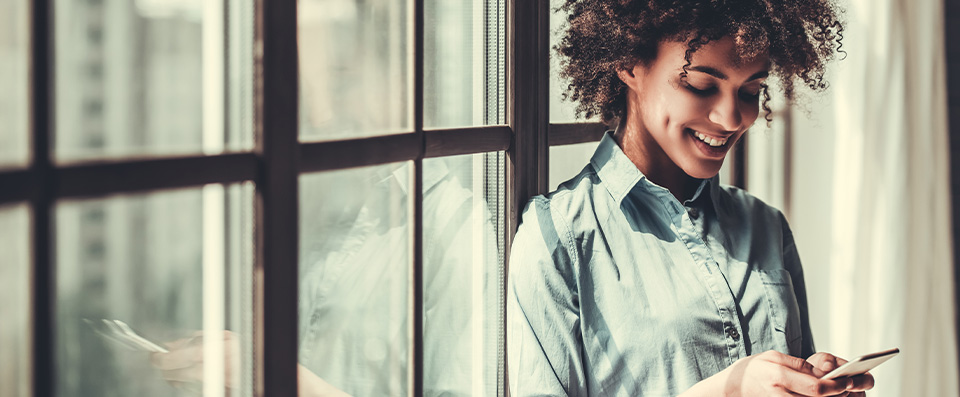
710	141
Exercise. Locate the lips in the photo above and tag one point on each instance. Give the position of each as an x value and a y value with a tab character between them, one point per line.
711	146
709	140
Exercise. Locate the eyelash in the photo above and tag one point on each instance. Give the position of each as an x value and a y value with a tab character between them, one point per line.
712	90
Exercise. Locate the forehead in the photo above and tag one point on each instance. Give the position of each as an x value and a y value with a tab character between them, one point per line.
723	54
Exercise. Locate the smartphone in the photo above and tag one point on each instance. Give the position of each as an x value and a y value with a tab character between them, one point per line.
862	364
119	332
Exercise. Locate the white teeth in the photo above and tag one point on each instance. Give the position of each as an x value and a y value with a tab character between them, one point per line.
710	141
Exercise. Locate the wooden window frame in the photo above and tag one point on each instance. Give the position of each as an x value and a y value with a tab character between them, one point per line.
275	163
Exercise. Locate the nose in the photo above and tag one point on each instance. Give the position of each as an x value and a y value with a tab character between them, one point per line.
726	113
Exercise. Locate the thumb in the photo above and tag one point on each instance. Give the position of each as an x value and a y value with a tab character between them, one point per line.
829	364
796	363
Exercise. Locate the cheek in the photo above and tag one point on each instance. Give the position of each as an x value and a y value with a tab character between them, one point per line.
676	109
750	112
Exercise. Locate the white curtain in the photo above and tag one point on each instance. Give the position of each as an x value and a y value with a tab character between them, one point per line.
890	272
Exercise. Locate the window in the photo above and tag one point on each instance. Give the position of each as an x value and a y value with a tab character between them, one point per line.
311	179
14	69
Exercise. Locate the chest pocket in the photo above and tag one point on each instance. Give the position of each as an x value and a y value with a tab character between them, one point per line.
783	310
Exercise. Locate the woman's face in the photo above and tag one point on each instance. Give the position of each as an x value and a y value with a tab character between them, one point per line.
692	123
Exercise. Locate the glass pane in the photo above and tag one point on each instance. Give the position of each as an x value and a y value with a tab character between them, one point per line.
354	279
143	78
175	268
15	335
561	111
14	82
463	63
463	272
355	70
568	160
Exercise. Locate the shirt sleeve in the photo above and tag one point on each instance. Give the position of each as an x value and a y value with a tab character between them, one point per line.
791	260
544	342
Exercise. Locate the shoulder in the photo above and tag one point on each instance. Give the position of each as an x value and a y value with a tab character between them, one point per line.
562	208
550	224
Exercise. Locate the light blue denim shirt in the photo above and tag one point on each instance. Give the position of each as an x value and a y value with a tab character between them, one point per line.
618	289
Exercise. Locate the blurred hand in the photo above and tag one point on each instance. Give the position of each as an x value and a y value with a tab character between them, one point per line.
770	374
824	362
182	367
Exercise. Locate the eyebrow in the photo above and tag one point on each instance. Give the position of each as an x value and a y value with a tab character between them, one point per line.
720	75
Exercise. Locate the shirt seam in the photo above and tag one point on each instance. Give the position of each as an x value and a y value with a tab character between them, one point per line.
568	235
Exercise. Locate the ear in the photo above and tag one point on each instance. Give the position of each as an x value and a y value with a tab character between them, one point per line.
629	76
626	76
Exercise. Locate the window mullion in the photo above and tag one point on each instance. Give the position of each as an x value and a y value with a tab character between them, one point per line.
528	30
44	368
528	36
275	277
415	384
574	133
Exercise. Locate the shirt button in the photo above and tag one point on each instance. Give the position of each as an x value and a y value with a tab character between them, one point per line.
693	213
733	334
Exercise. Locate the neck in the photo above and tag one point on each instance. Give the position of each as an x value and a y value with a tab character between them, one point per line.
637	144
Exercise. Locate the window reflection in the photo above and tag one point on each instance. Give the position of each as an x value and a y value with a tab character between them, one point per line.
15	341
131	80
355	278
146	260
14	80
354	274
463	63
463	257
354	68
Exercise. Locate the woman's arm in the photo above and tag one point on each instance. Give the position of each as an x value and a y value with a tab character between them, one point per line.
543	320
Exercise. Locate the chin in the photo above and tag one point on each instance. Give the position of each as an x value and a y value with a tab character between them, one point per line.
703	171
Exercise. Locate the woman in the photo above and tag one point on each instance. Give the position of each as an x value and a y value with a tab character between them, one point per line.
642	275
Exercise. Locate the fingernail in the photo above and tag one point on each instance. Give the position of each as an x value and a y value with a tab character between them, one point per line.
849	384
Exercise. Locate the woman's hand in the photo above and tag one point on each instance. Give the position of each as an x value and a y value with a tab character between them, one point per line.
826	362
182	367
770	374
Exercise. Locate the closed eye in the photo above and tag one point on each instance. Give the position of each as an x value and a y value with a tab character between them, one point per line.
704	92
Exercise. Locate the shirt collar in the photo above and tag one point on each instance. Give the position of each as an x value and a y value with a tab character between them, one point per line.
620	176
432	175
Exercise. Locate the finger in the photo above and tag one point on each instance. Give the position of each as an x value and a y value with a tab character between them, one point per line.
195	338
809	385
178	359
797	375
184	375
818	373
824	362
830	363
861	382
821	387
785	393
795	363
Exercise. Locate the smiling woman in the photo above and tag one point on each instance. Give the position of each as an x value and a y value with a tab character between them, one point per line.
642	275
693	117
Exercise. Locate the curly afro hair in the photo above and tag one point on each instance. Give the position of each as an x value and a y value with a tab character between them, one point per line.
605	36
